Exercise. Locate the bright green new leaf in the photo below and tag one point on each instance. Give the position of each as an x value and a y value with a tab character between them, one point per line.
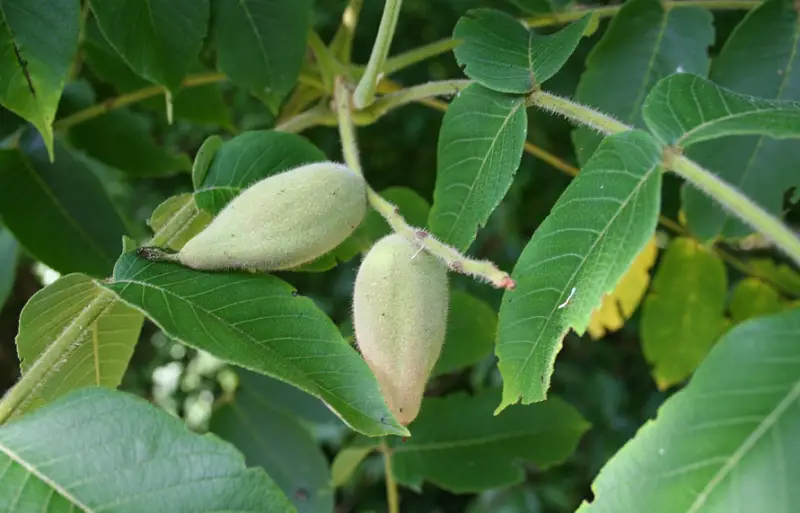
459	445
38	40
261	323
158	39
59	211
261	44
182	206
349	458
685	109
471	329
203	159
578	254
761	58
753	298
275	441
727	442
501	53
781	274
246	159
201	104
479	151
98	356
684	312
101	450
8	264
643	43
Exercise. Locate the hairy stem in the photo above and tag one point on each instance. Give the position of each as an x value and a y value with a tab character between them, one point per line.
481	269
576	112
739	204
414	94
365	91
392	497
419	54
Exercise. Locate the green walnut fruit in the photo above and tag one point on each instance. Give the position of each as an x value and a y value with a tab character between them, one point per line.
400	318
282	221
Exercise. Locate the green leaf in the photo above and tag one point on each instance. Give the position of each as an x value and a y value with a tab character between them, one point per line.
579	253
753	298
59	212
724	443
158	39
480	148
167	210
349	458
201	104
788	278
275	441
100	450
8	264
203	159
458	445
685	109
39	39
471	328
261	44
761	58
501	53
643	43
99	355
260	323
248	158
684	312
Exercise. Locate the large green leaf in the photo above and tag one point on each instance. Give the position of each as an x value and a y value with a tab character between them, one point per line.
100	450
471	329
158	39
98	355
275	441
684	109
684	312
579	253
459	445
643	43
261	44
8	264
202	104
258	322
499	52
38	40
480	148
753	298
246	159
59	212
761	58
727	442
167	211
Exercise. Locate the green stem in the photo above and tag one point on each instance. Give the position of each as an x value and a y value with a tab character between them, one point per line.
414	94
608	11
320	114
480	269
326	62
419	54
392	498
738	204
65	343
342	43
365	91
576	112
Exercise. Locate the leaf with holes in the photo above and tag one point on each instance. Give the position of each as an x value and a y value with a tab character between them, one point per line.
38	40
685	109
259	322
761	58
458	444
248	158
500	53
643	43
275	441
115	452
724	443
59	211
96	354
158	39
479	151
579	253
684	313
261	44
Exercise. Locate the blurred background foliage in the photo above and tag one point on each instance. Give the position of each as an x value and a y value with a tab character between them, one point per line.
607	380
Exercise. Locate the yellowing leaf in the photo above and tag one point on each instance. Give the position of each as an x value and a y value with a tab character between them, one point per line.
618	306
